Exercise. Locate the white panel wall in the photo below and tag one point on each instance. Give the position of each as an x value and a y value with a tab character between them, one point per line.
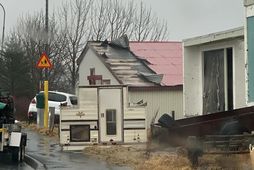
135	136
164	101
90	60
192	88
193	73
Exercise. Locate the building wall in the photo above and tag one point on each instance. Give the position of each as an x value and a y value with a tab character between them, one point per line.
92	61
165	101
193	74
249	50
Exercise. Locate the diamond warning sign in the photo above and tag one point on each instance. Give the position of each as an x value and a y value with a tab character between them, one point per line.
44	61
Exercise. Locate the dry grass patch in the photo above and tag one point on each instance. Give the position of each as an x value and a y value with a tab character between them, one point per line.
137	158
43	131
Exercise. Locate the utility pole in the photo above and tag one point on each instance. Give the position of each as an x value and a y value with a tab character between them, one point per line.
3	27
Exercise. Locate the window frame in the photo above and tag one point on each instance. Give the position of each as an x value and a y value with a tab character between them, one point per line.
85	126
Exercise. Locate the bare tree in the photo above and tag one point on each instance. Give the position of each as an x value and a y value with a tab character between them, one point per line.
76	23
31	32
147	26
99	22
79	21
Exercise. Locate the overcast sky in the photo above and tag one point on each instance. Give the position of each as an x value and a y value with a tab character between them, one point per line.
186	18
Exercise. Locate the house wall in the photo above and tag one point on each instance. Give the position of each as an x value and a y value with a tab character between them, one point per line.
249	50
165	101
92	61
193	74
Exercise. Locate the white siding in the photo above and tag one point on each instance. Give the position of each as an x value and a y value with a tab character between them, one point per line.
165	101
135	136
192	86
90	60
193	74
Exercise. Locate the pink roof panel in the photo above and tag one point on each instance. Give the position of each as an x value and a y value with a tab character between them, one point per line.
163	58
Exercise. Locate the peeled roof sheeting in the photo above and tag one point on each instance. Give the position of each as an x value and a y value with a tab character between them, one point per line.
124	65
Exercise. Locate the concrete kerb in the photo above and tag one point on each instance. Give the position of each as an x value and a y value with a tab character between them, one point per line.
34	163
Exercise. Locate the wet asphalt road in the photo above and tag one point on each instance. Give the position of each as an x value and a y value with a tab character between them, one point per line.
47	151
7	164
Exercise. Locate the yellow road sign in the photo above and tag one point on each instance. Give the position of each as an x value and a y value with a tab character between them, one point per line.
44	61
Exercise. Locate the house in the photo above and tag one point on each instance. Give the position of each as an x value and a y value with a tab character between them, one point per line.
122	87
152	71
214	69
249	50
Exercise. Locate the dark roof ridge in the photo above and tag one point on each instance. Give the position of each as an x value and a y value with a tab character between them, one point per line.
149	41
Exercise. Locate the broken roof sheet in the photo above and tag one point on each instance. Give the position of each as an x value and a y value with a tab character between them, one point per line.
125	66
163	58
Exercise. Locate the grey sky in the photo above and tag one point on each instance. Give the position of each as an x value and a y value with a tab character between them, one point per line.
186	18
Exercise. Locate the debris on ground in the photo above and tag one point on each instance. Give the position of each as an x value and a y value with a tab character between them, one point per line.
158	158
43	131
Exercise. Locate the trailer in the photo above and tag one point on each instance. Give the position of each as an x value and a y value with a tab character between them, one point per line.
103	117
12	140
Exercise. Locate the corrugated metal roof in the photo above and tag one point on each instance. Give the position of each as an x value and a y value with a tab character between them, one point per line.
163	58
124	65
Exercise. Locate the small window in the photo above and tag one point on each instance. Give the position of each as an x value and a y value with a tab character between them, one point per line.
74	100
106	81
111	121
92	71
80	133
57	97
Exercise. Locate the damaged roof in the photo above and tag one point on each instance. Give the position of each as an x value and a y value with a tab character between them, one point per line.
140	63
163	58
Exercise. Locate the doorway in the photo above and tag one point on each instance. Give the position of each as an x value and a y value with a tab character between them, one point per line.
218	80
110	114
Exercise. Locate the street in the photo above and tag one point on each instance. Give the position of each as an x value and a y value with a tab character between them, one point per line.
47	151
7	164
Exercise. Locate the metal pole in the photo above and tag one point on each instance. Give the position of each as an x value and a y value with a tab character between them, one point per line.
46	113
3	27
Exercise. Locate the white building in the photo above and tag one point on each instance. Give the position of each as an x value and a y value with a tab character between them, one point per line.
214	69
151	70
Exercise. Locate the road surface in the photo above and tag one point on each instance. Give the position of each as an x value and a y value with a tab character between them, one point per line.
47	151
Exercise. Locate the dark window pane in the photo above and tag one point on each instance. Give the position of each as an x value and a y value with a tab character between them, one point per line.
111	121
74	100
111	128
80	133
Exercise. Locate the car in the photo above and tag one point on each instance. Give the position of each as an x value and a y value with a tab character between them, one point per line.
55	99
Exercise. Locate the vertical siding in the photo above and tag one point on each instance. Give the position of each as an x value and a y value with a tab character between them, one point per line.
165	101
250	55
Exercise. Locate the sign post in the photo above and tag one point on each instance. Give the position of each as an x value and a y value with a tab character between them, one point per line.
44	62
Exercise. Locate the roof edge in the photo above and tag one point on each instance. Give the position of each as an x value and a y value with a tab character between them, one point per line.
248	2
231	33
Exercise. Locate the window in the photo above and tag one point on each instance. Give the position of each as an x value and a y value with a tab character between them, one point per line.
80	133
56	97
111	121
106	81
74	100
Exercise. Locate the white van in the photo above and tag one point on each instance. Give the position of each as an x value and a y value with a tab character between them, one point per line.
55	99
